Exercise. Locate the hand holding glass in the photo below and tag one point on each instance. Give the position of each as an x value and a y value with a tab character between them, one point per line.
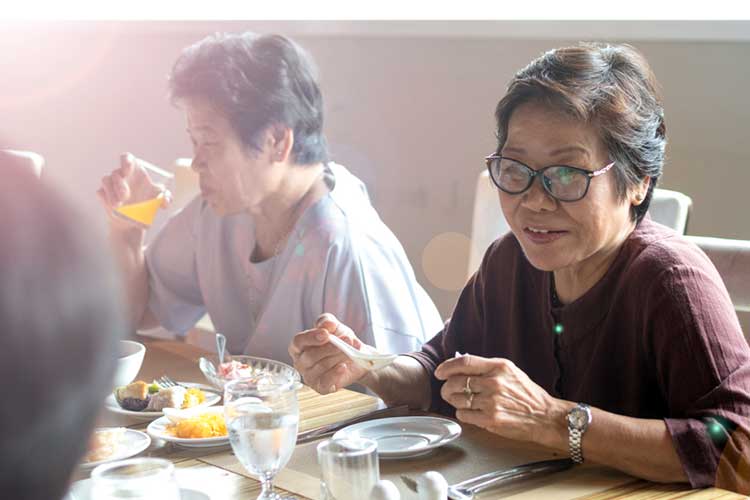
148	186
262	417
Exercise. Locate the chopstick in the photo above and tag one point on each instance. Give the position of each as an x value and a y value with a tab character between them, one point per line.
329	429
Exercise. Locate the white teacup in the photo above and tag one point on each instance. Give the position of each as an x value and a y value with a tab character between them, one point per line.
129	362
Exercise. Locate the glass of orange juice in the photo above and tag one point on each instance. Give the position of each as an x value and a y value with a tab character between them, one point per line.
143	213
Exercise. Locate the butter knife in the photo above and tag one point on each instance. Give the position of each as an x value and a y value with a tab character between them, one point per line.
465	490
329	429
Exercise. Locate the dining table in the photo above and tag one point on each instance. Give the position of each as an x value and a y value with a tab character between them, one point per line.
215	473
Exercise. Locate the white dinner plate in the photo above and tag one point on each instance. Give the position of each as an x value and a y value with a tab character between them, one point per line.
131	443
111	403
81	490
402	437
158	429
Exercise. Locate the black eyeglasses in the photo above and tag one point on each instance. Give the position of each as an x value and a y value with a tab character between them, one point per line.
562	182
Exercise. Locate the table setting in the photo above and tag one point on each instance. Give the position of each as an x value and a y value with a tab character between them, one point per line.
309	446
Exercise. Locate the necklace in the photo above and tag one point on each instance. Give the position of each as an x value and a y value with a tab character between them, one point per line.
294	215
555	300
259	296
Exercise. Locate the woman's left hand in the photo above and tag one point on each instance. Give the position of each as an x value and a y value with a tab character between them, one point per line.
501	398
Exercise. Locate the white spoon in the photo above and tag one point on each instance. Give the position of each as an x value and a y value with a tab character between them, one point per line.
367	358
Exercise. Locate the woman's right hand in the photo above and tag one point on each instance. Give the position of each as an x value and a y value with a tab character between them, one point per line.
130	183
322	365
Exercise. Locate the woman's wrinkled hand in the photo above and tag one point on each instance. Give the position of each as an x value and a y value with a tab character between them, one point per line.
322	365
501	398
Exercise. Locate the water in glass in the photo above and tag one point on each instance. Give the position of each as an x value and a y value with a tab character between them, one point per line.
262	417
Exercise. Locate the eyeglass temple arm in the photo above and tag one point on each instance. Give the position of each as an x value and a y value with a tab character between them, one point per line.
601	171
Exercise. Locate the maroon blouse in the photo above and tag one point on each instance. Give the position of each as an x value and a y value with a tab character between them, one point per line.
656	337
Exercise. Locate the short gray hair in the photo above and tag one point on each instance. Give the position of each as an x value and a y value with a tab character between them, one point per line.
611	86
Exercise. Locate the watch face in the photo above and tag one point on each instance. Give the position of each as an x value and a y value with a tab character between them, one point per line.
578	418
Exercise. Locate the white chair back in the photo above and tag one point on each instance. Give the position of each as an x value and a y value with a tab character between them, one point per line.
186	185
670	208
25	159
186	188
488	222
732	260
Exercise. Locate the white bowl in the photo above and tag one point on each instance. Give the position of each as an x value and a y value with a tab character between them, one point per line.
129	363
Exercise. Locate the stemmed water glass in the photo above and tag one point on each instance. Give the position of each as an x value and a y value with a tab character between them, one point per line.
262	417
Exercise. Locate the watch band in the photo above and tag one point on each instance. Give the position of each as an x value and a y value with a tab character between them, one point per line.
574	443
579	419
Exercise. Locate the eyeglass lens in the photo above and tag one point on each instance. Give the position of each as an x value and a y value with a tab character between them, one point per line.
564	183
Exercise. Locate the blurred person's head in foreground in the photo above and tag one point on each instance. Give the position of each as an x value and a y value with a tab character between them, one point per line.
60	325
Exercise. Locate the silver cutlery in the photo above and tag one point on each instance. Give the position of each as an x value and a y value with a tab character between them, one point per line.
207	366
166	381
329	429
465	490
221	344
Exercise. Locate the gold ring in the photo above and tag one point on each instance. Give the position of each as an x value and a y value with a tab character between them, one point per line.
467	388
469	400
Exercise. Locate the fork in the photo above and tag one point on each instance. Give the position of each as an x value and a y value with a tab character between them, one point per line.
465	490
166	381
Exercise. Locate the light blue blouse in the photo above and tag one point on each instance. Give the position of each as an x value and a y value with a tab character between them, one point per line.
340	258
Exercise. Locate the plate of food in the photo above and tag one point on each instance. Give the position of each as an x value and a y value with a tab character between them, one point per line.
147	401
114	443
194	427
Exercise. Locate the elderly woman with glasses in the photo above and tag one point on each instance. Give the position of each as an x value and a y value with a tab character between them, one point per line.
589	328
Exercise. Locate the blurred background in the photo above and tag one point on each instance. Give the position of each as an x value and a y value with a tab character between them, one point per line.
409	110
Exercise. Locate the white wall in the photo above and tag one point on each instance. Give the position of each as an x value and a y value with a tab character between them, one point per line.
409	107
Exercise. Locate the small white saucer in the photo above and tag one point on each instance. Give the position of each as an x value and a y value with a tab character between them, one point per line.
404	437
131	443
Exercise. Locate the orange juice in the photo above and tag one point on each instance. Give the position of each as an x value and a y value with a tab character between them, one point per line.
142	212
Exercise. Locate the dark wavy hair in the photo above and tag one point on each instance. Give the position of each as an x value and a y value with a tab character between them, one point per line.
256	82
611	86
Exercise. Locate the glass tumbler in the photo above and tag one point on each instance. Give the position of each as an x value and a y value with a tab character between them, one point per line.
349	468
135	479
142	212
